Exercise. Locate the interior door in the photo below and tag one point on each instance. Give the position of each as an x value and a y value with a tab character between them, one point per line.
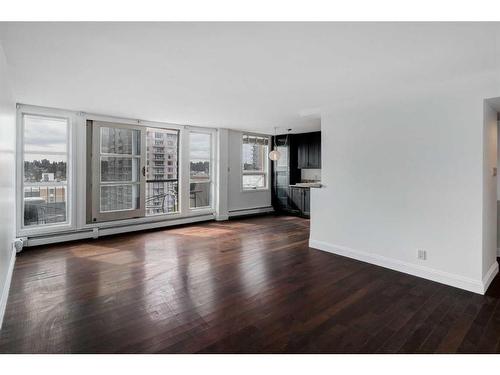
118	165
281	175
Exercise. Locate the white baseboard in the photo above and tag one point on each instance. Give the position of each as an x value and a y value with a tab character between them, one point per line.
5	292
250	211
490	275
476	286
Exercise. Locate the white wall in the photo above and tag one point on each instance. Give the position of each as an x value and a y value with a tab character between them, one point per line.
490	138
404	174
498	161
238	199
498	192
7	181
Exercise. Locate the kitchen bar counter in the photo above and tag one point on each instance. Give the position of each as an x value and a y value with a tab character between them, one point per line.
307	185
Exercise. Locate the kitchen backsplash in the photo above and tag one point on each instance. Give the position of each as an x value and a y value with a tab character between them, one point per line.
310	174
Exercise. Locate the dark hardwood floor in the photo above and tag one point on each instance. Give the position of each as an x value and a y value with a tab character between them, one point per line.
244	286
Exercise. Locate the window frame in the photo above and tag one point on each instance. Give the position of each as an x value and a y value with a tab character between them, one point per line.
212	170
21	229
267	165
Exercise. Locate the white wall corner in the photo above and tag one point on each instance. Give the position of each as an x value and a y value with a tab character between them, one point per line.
472	285
4	295
490	275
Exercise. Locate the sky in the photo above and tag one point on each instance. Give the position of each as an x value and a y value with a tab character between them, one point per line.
199	146
43	134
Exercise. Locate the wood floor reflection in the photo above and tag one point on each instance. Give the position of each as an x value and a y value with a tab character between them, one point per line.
242	286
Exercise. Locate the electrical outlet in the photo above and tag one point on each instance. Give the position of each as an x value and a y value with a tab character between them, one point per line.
421	254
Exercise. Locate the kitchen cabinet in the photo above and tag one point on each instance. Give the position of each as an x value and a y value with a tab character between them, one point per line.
306	209
309	151
300	200
303	154
296	199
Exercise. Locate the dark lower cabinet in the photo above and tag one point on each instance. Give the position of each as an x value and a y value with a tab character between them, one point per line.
307	202
300	200
296	199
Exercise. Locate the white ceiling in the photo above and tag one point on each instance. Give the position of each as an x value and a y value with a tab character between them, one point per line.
250	76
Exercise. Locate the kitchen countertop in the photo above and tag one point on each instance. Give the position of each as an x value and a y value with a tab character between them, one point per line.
307	185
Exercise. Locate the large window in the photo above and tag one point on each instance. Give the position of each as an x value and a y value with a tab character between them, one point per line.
45	170
255	164
162	184
200	170
77	171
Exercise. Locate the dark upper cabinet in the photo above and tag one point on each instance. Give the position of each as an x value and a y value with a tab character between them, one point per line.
303	154
315	150
309	151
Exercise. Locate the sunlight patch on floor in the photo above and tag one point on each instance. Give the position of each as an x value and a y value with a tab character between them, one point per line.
90	250
203	232
125	257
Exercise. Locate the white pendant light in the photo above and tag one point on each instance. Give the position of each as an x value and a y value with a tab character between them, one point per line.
275	154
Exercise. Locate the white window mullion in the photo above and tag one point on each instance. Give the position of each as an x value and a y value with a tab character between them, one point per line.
184	171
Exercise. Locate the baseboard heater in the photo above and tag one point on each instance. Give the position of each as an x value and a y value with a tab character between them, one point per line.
250	211
110	230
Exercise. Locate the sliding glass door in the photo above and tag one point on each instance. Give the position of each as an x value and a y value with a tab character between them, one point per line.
118	171
162	171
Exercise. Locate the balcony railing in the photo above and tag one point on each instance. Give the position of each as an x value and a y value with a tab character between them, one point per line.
44	203
164	202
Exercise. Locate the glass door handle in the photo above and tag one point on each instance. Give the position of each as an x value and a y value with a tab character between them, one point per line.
144	171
